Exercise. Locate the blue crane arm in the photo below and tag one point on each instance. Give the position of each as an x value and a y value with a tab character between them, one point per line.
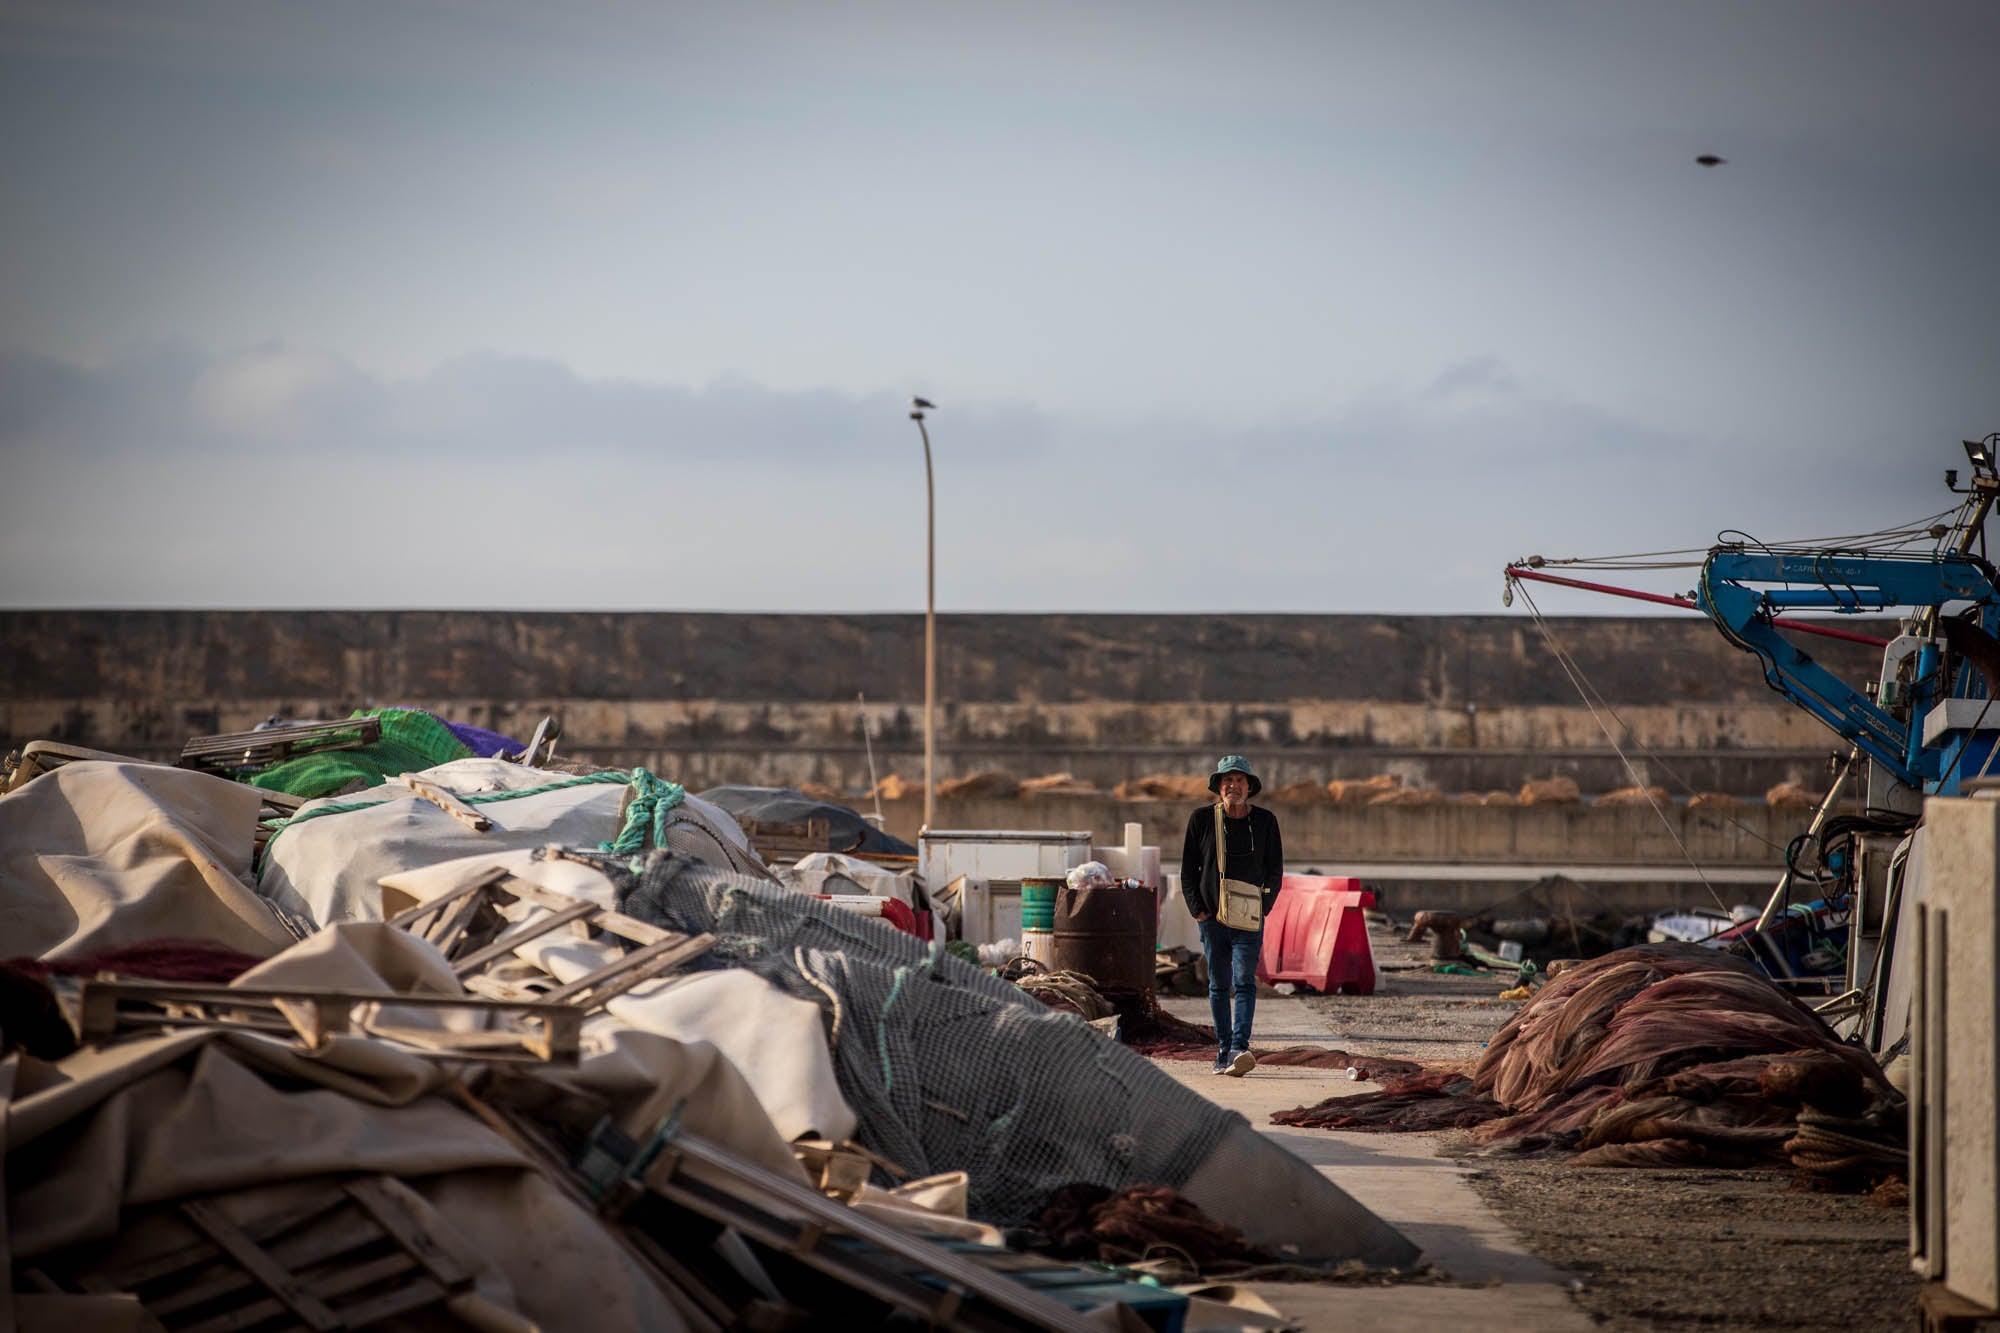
1846	584
1853	584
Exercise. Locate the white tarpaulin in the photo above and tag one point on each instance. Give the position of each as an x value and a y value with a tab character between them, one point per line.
327	867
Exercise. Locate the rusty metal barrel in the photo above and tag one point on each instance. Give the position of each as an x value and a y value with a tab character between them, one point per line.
1106	932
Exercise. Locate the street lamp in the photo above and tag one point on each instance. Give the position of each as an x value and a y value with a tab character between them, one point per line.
918	407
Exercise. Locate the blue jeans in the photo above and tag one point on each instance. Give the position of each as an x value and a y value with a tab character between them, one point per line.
1232	969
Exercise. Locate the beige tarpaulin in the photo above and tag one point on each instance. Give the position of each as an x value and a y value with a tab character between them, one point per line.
95	855
157	1119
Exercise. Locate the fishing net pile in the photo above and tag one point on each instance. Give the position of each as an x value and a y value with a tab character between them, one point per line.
1664	1055
947	1068
1139	1224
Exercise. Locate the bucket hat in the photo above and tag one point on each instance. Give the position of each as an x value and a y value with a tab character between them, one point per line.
1234	763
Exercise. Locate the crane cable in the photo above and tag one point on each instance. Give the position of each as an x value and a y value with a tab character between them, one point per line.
1665	767
1910	533
1576	678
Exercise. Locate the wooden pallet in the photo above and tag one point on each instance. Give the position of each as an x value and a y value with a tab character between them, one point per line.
945	1285
467	927
539	1031
357	1255
776	840
229	751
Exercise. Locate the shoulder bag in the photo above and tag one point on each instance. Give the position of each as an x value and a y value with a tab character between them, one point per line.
1240	904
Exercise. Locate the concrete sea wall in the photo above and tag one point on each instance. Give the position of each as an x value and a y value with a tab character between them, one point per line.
1460	703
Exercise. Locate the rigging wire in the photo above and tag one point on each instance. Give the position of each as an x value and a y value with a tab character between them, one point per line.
1910	533
1563	660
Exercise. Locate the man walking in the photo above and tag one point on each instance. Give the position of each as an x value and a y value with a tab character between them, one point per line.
1229	894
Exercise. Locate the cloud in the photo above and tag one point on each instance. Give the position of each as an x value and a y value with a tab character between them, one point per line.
278	398
276	393
529	485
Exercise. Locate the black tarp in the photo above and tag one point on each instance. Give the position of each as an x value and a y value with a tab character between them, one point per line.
847	831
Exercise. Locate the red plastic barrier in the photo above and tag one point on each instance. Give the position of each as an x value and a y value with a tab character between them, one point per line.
1316	936
893	910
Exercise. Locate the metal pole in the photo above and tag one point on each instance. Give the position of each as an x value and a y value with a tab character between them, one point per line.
930	617
868	742
1826	809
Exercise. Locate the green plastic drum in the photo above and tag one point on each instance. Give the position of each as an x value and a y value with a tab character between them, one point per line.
1038	903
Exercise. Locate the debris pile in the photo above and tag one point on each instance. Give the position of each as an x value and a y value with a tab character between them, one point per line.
529	1046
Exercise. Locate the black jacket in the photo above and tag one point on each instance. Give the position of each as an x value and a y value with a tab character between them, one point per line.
1256	856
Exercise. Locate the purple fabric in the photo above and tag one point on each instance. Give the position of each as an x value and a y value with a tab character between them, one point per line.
484	744
480	741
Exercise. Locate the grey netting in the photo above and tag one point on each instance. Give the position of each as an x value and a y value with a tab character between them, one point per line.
947	1067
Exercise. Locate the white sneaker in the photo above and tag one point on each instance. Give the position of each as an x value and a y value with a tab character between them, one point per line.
1241	1065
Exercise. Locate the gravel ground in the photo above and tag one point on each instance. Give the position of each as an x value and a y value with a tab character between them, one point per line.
1672	1249
1650	1249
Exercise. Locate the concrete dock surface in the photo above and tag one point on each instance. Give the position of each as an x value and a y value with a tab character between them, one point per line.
1495	1282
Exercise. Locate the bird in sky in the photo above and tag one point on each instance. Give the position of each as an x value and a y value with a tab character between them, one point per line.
922	404
1711	160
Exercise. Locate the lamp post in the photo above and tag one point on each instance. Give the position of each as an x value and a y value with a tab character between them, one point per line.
918	407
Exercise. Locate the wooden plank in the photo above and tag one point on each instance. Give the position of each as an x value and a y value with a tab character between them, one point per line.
556	1038
419	1293
695	1300
607	983
513	939
153	1267
335	1228
791	839
447	931
446	801
337	1282
743	1180
253	749
493	988
316	1022
185	992
389	1304
547	730
282	802
407	920
936	1306
280	1283
329	1286
617	923
393	1213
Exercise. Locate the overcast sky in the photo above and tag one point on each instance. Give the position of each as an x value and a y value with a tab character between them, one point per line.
1288	307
